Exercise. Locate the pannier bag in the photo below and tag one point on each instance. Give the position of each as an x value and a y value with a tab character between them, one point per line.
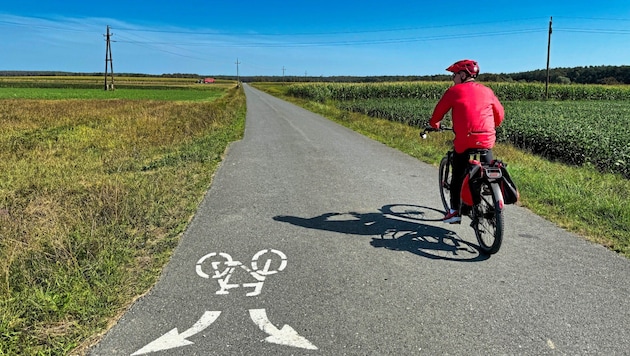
471	186
508	188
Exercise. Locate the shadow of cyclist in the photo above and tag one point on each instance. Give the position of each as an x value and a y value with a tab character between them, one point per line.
397	228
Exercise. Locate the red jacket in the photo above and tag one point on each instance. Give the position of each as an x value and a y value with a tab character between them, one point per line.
476	113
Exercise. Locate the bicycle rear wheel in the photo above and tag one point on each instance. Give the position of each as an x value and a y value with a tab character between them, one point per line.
445	178
487	218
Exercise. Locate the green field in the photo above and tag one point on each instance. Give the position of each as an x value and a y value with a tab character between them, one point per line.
589	126
128	88
94	194
574	132
174	94
434	90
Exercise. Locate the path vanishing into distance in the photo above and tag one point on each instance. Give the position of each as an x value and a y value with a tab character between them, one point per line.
315	240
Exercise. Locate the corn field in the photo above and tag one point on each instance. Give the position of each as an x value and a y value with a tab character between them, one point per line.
580	125
434	90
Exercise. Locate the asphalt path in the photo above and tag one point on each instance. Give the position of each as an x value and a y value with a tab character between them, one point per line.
315	240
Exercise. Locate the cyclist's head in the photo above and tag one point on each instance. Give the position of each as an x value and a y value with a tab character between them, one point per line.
468	66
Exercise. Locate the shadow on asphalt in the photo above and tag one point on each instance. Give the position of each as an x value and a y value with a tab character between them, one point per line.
397	227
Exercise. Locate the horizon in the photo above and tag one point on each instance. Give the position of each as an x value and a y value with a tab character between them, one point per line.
41	73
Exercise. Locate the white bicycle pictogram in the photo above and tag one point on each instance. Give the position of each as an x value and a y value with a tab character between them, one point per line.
224	266
264	263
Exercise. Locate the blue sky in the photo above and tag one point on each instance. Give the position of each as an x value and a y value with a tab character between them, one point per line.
314	38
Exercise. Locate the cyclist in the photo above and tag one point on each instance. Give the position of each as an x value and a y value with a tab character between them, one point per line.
476	112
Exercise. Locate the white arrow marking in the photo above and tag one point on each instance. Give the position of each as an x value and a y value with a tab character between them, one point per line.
285	336
173	339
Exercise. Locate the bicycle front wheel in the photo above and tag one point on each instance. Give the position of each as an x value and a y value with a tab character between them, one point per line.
488	218
445	178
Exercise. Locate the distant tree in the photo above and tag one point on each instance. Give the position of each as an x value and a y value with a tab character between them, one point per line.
609	81
562	80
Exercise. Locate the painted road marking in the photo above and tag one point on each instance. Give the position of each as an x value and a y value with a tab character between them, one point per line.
224	266
285	336
264	263
173	339
266	270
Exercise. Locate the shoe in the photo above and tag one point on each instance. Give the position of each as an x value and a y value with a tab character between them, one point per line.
452	217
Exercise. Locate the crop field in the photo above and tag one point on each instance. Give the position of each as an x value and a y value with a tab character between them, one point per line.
97	82
93	196
592	126
131	88
434	90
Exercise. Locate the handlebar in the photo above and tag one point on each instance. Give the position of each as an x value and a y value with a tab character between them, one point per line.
423	134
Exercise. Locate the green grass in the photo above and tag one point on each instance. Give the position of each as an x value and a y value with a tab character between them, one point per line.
174	94
580	199
93	198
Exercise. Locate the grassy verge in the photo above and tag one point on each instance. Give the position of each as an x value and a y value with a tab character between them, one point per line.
94	195
579	199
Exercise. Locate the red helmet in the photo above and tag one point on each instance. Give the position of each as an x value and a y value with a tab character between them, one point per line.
466	65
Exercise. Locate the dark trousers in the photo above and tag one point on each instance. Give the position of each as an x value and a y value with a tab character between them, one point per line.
460	166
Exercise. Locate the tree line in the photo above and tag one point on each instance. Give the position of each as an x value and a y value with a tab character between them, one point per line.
579	75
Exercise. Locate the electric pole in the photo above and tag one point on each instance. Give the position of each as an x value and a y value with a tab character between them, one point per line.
283	69
548	54
108	58
237	76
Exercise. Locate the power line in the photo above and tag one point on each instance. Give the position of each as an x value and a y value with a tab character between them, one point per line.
596	31
593	18
254	33
354	42
46	27
34	24
152	45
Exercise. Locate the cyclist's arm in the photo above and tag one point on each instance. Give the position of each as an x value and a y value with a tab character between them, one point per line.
498	111
442	107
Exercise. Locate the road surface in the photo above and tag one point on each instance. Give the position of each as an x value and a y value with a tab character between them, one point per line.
315	240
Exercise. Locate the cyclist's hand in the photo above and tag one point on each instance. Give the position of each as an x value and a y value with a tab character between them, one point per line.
423	133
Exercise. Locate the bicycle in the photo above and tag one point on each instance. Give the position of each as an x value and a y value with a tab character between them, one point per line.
485	210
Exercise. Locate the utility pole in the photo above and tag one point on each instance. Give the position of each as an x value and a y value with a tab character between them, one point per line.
237	76
108	58
283	69
548	54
